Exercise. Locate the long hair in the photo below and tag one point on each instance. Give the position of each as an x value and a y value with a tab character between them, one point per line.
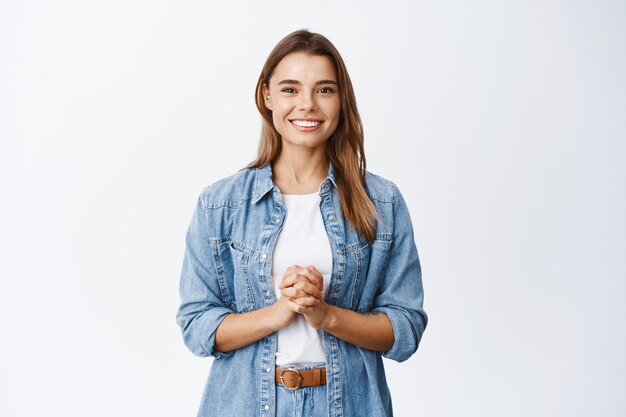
344	148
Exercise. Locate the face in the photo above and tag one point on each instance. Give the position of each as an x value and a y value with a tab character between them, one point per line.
304	99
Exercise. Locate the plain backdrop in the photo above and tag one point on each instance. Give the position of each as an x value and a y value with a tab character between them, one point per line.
502	123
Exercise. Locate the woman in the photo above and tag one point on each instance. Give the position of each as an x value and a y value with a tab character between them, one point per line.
301	270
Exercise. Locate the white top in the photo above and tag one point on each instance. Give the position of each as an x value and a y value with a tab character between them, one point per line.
302	241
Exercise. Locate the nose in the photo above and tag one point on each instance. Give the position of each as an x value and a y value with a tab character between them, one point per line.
307	102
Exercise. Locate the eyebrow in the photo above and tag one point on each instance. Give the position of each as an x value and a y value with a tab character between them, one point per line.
296	82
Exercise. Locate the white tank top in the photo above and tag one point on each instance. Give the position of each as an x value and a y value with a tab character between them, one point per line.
302	241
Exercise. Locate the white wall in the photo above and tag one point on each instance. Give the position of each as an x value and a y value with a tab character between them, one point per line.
502	123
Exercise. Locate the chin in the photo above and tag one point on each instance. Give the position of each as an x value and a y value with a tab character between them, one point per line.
306	143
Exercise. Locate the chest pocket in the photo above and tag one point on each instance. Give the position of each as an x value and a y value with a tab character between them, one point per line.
370	261
232	261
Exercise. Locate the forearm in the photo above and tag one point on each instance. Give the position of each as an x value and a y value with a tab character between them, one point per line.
372	331
368	330
240	329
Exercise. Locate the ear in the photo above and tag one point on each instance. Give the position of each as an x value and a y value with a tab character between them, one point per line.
266	97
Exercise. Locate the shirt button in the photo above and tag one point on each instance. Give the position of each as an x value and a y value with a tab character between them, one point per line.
277	220
338	250
264	256
268	370
337	403
268	292
267	407
331	217
335	365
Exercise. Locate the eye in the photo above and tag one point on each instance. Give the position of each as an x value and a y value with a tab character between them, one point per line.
288	90
326	90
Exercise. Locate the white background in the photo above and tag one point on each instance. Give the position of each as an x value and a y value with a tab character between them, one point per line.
503	124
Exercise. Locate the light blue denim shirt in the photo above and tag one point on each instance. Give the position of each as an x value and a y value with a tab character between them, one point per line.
227	269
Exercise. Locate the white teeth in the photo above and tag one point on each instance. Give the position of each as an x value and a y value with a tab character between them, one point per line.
304	123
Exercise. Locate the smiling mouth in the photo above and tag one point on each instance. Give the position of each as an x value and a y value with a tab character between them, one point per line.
306	123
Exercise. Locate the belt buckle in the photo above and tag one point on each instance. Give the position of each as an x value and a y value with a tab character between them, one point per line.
282	378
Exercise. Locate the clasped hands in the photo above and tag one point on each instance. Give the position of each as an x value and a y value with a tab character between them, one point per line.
301	290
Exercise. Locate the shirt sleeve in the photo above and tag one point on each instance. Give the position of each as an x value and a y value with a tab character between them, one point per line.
401	294
201	309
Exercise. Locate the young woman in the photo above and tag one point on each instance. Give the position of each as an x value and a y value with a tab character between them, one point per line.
301	270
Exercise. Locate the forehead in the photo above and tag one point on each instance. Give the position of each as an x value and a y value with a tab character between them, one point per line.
304	67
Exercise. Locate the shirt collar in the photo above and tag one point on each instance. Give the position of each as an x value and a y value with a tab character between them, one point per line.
263	181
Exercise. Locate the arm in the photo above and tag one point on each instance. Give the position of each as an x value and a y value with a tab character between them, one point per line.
201	307
368	330
239	330
401	295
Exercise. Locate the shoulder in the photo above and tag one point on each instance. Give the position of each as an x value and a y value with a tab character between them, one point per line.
230	191
381	189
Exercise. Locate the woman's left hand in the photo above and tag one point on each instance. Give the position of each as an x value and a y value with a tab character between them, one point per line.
316	315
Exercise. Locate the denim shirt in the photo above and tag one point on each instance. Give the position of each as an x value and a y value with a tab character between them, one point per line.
227	269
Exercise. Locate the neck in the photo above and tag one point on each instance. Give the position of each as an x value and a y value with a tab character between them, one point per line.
300	171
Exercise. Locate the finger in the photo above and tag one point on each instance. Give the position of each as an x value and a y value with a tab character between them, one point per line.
292	279
313	276
293	306
290	270
293	292
306	301
307	287
297	307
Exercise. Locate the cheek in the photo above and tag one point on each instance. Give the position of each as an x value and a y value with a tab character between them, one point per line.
274	116
336	113
335	109
278	115
279	120
280	110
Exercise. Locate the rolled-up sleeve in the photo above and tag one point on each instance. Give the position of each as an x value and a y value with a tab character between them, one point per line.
201	309
401	295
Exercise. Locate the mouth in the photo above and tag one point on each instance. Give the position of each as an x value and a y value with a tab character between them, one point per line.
306	124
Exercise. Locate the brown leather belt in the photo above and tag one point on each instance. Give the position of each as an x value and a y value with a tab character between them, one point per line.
297	378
